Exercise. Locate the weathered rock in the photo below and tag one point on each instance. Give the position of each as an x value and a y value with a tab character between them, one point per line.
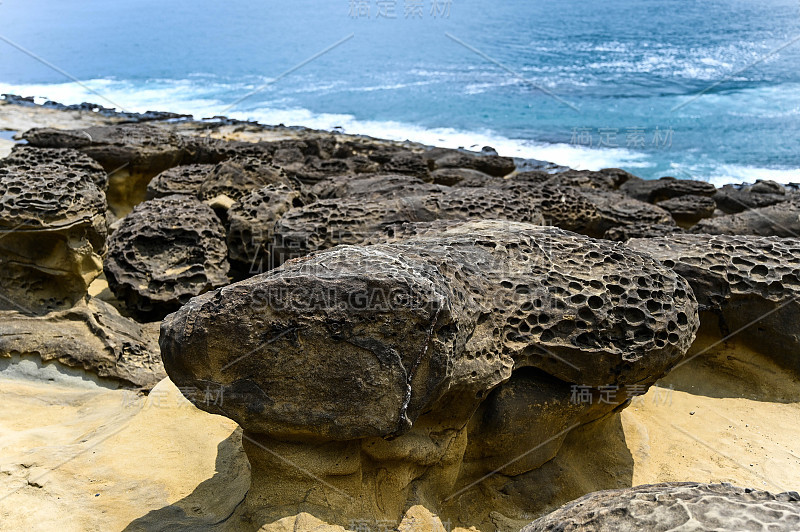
52	236
737	198
184	179
690	209
251	224
92	336
328	223
625	232
375	186
27	157
132	154
409	163
165	252
462	177
365	364
615	210
656	190
745	285
494	165
781	219
675	506
606	179
236	177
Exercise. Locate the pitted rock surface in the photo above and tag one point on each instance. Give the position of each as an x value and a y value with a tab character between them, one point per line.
328	223
53	224
741	281
184	179
409	163
92	336
164	253
675	506
737	198
690	209
374	187
655	190
781	219
236	177
360	341
625	232
606	179
462	177
28	157
251	225
615	210
494	165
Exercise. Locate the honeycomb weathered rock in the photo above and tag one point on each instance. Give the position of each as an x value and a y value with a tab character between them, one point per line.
615	210
165	252
53	224
184	179
24	156
236	177
328	223
689	209
374	186
747	285
251	224
625	232
673	506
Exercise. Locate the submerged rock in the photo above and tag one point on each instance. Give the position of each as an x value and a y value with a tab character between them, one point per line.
367	363
675	506
52	235
164	253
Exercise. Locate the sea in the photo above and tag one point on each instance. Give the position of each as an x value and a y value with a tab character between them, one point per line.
704	89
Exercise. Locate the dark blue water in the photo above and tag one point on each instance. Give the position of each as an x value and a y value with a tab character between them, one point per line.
708	89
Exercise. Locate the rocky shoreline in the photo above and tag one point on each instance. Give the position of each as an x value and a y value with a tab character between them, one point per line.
409	337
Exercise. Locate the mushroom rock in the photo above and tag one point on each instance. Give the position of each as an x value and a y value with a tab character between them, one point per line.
165	252
747	285
52	236
328	223
781	219
23	156
366	366
184	179
132	154
675	506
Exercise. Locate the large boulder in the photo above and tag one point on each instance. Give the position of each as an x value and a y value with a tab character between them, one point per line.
737	198
748	287
237	176
52	235
366	364
327	223
132	154
491	164
184	179
781	219
675	506
374	186
690	209
91	336
617	210
24	156
165	252
655	190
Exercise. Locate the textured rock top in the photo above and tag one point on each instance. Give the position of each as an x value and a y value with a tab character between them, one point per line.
27	157
48	195
675	506
359	341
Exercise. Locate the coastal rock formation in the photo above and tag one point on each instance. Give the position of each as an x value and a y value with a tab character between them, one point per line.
184	179
746	285
165	252
463	177
656	190
781	219
409	163
617	210
327	223
52	235
132	154
636	230
23	156
675	506
366	364
251	224
92	336
737	198
689	209
494	165
605	179
236	177
377	186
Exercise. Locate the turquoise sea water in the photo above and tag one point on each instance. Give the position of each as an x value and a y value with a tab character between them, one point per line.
708	89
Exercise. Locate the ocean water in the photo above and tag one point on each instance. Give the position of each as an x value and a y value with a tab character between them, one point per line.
708	89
